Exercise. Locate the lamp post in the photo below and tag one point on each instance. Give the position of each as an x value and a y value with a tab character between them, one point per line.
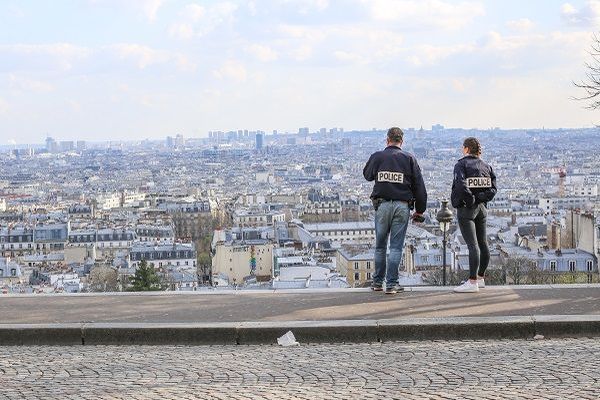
444	217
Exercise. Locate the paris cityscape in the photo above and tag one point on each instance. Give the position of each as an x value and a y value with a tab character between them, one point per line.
225	199
248	210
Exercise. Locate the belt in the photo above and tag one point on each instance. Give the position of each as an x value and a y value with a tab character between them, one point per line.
384	200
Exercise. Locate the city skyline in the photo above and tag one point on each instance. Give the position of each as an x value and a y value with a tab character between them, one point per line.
106	70
224	137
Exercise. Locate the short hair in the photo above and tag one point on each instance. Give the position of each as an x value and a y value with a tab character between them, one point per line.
395	134
473	145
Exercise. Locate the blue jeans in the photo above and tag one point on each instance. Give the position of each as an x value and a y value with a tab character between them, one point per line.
471	222
391	222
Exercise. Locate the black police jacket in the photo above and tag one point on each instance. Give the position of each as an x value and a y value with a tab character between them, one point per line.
474	182
397	176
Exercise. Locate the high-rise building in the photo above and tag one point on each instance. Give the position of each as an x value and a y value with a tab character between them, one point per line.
67	145
259	141
303	131
51	145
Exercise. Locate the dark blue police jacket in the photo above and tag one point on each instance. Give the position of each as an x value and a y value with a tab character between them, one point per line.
474	182
397	176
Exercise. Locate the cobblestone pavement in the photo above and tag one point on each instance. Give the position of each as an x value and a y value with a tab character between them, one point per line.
515	369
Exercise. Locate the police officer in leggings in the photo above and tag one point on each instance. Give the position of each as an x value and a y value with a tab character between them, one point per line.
398	186
474	185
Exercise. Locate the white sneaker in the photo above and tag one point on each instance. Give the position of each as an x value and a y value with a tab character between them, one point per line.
480	282
467	287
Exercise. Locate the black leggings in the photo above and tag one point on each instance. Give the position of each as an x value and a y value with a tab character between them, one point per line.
471	222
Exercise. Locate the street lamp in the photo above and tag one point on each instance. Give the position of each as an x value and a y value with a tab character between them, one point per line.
444	217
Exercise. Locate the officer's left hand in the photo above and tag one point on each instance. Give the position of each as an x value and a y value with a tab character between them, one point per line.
418	217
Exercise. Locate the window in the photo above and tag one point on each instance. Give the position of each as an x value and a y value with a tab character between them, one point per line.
356	265
571	265
13	272
553	266
356	276
590	265
369	266
368	275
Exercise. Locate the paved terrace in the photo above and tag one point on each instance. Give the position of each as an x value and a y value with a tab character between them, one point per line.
298	305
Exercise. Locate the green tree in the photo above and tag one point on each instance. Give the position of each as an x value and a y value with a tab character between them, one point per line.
145	279
204	266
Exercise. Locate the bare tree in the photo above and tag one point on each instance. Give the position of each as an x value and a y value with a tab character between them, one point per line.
591	83
535	276
103	279
516	269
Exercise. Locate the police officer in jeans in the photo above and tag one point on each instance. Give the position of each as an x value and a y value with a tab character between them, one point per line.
474	185
398	186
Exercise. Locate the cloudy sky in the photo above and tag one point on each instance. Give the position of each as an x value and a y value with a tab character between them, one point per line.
135	69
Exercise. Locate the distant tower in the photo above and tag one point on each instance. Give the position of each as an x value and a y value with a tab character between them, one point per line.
51	145
562	174
259	141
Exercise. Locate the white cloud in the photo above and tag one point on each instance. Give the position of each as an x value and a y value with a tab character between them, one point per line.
183	31
520	25
261	52
586	16
64	55
198	21
144	56
28	85
3	106
361	43
431	55
223	11
150	8
183	63
231	70
348	57
425	13
194	11
252	8
307	6
302	53
54	49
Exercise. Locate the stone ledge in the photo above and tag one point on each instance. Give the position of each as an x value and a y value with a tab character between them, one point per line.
348	331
